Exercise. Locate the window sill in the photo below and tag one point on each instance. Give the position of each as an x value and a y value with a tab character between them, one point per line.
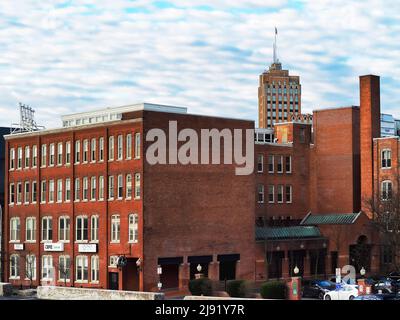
81	241
63	281
14	241
30	241
14	278
115	242
81	281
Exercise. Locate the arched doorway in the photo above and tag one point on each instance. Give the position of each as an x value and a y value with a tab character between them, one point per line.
360	254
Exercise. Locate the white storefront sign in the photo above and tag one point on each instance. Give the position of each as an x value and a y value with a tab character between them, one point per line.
87	247
18	246
57	247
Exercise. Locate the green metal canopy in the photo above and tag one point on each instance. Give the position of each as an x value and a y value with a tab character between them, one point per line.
338	218
278	233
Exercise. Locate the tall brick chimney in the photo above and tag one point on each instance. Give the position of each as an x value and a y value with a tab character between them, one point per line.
370	128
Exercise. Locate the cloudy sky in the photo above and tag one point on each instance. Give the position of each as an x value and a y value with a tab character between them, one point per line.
63	56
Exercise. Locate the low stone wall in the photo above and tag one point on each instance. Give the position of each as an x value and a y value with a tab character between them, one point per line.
6	289
65	293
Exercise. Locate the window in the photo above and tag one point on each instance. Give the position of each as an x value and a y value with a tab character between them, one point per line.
289	194
27	157
82	228
120	144
59	190
59	154
34	156
43	191
280	164
260	192
30	229
47	229
120	187
19	193
12	193
137	185
113	261
68	153
133	228
47	268
51	191
137	145
77	189
12	159
85	151
34	191
43	161
63	228
93	150
101	188
270	164
14	266
302	133
280	193
128	146
85	189
115	228
260	163
52	155
111	187
386	193
271	194
288	163
101	149
128	186
386	158
15	229
30	267
93	185
111	148
19	160
94	270
27	192
67	190
64	268
94	225
77	151
81	268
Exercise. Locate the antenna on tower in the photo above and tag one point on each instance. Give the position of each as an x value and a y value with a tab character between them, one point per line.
275	47
27	121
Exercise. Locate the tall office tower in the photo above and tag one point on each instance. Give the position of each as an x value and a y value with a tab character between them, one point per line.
279	94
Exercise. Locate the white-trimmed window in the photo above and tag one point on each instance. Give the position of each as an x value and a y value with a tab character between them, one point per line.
43	156
52	155
81	269
59	190
137	185
30	267
271	194
280	193
34	191
101	149
85	151
94	269
111	187
101	188
67	190
51	191
47	268
34	156
120	187
386	158
12	159
289	192
27	157
27	195
85	194
133	228
93	150
128	146
19	192
64	228
94	228
280	164
288	163
43	191
14	266
260	163
386	193
77	151
60	154
260	193
128	186
81	228
64	268
15	229
19	159
68	153
47	229
115	228
77	193
93	187
12	193
113	261
110	148
30	229
137	145
271	163
120	146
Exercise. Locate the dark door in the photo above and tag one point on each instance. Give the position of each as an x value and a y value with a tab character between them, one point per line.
113	280
170	276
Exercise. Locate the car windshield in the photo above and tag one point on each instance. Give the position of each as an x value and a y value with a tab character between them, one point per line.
326	284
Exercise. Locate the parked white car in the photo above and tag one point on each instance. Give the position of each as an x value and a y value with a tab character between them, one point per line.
347	292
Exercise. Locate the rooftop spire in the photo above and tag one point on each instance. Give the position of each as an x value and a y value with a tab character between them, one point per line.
275	48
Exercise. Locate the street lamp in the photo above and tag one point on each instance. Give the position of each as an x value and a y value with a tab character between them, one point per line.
199	268
139	265
159	285
159	270
362	271
296	270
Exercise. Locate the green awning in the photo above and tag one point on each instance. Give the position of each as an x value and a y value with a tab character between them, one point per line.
280	233
335	218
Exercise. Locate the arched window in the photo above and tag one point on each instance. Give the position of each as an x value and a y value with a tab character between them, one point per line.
94	227
128	186
14	266
386	190
30	267
386	158
15	228
81	228
115	228
133	228
94	269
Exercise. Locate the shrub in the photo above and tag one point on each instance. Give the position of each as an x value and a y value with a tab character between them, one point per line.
274	290
237	288
202	286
